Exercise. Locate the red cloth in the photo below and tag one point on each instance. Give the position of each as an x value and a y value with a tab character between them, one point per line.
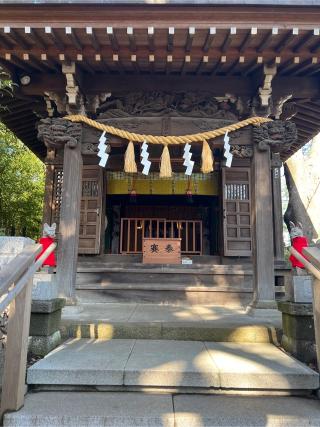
46	242
298	243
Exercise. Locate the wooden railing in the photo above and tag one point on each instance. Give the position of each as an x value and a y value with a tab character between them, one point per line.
16	290
133	230
312	265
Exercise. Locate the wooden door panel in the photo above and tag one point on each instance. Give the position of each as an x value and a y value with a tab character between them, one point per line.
237	229
91	210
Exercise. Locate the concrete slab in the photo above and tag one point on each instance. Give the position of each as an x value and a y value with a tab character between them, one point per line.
83	361
260	366
170	363
237	411
94	409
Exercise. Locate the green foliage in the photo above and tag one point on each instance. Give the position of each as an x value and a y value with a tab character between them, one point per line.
22	177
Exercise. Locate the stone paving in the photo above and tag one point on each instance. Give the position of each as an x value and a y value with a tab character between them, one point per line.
94	409
165	363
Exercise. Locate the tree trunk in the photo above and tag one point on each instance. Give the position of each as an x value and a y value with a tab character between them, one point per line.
301	174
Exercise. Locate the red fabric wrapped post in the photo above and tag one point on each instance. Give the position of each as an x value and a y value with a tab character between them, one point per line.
51	260
298	243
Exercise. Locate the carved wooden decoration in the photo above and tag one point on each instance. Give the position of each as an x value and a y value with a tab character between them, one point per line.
55	133
277	135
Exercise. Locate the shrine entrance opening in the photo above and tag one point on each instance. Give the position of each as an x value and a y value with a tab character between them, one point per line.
170	208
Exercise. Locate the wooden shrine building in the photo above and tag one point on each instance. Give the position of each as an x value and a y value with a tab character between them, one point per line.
165	70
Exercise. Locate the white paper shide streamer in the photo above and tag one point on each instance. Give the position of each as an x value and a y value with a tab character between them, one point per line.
102	150
188	163
144	158
227	153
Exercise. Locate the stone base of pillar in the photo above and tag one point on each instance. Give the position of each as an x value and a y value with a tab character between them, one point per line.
45	325
298	330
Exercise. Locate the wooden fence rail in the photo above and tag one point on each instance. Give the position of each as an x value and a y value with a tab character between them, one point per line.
16	291
312	265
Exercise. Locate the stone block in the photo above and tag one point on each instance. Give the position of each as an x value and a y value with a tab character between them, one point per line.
47	306
44	286
298	330
299	289
303	350
298	327
45	323
42	345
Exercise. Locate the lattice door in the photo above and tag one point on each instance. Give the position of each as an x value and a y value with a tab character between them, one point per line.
237	228
91	210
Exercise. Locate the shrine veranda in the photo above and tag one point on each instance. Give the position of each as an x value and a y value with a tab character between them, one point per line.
164	70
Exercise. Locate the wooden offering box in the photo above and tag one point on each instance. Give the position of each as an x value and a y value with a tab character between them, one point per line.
161	251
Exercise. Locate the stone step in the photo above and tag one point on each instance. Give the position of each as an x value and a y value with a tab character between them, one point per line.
171	365
96	409
191	331
158	322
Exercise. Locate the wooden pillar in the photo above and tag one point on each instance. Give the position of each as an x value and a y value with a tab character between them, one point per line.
69	221
263	258
277	207
60	134
48	192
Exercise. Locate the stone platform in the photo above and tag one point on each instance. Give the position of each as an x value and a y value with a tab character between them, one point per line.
202	366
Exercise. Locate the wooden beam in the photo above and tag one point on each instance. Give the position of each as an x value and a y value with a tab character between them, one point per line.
13	34
304	66
132	42
289	64
113	40
185	64
203	65
151	39
267	39
151	62
247	40
71	34
134	63
54	37
209	39
99	58
222	60
234	64
34	62
308	119
190	37
169	64
303	42
314	117
5	43
171	31
19	63
116	60
287	39
253	66
93	38
83	64
228	39
30	32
